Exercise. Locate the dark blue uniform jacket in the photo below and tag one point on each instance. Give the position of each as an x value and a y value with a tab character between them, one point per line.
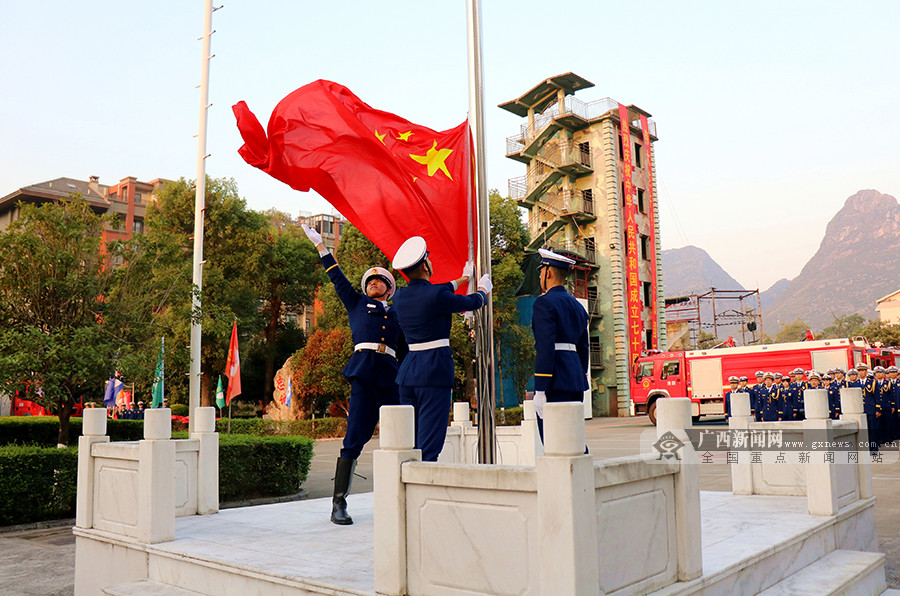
425	311
369	323
559	318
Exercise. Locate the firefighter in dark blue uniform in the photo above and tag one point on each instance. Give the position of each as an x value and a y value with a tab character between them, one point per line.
788	395
734	382
426	375
871	407
754	395
769	400
884	398
561	340
834	393
894	400
372	369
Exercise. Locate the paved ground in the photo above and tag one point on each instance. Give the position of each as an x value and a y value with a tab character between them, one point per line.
40	562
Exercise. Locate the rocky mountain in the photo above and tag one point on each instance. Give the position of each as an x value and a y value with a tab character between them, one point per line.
768	297
690	270
857	263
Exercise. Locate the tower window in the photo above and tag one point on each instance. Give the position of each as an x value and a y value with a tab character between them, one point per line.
640	201
637	156
647	287
645	247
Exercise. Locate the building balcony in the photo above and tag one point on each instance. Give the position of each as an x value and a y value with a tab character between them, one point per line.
578	204
528	189
583	249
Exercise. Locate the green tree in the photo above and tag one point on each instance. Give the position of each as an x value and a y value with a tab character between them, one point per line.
789	332
879	331
234	249
68	314
288	279
844	326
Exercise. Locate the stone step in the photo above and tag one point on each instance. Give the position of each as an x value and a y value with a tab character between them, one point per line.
147	588
839	573
891	592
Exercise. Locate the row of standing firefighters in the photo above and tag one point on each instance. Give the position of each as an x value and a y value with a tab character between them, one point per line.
777	397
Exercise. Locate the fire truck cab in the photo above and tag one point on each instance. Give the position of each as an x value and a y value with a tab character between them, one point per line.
702	375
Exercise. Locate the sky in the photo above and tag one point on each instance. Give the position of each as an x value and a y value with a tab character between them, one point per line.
769	114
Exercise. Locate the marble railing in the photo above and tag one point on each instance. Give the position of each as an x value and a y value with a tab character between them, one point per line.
830	478
516	445
565	525
137	489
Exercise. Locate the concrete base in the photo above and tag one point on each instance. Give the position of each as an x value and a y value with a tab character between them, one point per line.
293	549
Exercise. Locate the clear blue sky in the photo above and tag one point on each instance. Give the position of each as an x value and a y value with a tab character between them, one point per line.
770	114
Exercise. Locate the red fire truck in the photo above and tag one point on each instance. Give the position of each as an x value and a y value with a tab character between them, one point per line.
702	375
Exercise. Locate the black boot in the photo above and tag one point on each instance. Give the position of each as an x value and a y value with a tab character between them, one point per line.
343	476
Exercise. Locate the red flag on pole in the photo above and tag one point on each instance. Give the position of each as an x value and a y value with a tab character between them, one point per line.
233	367
391	178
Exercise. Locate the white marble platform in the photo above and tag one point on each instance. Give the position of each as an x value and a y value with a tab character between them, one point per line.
750	543
294	545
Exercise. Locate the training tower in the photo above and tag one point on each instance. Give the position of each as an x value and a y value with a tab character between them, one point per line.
592	197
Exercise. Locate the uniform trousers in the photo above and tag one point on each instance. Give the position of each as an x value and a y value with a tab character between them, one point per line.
432	405
363	416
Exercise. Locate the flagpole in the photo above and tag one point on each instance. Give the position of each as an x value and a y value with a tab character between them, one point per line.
484	317
199	209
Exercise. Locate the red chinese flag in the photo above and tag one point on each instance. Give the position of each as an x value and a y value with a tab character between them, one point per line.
233	367
391	178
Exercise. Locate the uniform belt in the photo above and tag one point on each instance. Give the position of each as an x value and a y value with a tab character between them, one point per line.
429	345
380	348
566	347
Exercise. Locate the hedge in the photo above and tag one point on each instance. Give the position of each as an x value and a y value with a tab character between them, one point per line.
253	467
319	428
44	430
37	483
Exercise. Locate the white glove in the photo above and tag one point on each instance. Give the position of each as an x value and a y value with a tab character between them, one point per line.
468	270
539	399
314	236
485	283
469	318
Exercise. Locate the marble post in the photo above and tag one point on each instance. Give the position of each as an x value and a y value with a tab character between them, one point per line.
207	460
567	515
93	431
673	415
156	478
821	476
852	409
741	417
397	439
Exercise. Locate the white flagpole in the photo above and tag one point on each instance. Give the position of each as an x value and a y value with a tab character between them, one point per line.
199	209
484	317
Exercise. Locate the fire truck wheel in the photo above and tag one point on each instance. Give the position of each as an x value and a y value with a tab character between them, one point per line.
651	413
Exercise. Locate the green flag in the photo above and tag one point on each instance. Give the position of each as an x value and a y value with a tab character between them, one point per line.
159	378
220	394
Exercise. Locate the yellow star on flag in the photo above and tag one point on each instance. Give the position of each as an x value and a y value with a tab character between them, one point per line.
404	136
381	137
434	159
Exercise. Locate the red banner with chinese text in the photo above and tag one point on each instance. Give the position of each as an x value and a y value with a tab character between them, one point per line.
651	214
632	281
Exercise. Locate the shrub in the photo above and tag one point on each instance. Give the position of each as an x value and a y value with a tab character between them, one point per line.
318	428
44	430
179	409
251	467
37	483
509	417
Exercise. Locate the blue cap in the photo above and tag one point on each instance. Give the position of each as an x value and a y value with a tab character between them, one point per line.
552	259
